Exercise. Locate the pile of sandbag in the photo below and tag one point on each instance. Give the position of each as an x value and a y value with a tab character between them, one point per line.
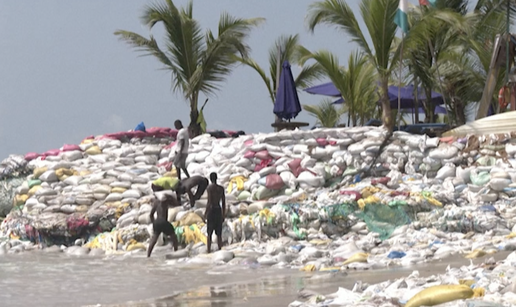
106	180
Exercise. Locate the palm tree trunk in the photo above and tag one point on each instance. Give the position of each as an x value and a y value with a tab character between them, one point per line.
429	105
386	105
194	127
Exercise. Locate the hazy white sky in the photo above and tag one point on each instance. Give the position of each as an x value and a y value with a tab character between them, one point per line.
64	75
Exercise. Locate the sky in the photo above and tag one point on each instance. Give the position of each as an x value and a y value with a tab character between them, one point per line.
64	75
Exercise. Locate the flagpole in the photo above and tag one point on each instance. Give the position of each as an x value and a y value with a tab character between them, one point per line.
399	85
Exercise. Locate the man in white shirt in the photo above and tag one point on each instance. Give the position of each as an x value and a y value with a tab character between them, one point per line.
183	142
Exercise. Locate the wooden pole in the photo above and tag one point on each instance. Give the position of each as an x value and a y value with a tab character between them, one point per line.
399	85
278	73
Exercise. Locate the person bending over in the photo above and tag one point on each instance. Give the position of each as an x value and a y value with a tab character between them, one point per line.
186	186
164	183
215	210
160	224
183	142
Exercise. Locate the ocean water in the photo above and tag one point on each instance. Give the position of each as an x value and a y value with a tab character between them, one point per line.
39	278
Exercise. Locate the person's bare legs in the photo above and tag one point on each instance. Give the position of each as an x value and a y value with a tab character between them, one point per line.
152	242
219	241
184	170
178	171
174	242
210	233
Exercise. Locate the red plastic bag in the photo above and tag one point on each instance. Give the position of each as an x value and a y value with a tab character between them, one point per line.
250	154
274	182
51	152
295	167
322	142
354	193
263	155
70	147
262	165
31	156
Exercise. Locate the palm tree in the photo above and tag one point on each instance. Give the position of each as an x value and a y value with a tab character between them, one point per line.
284	49
326	114
357	84
450	48
198	61
378	16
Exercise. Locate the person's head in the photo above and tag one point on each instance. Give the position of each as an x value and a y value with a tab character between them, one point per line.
178	124
213	177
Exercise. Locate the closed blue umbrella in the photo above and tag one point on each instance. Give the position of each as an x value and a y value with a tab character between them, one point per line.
287	104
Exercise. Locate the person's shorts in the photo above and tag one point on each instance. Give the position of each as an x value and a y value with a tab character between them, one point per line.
163	226
180	160
156	188
215	222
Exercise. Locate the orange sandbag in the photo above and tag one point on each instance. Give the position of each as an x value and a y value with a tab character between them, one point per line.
274	182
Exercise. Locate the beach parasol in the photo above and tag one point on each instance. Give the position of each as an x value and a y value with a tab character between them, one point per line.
406	94
287	104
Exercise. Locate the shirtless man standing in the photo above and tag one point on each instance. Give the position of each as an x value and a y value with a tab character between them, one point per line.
214	214
161	224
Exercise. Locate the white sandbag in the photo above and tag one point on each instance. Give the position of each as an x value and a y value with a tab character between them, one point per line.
307	162
73	180
243	162
432	142
152	150
356	149
310	179
447	171
288	178
300	149
201	156
49	176
114	197
267	170
131	194
151	160
103	189
68	209
510	149
45	192
120	184
101	158
72	155
319	153
498	184
443	152
253	179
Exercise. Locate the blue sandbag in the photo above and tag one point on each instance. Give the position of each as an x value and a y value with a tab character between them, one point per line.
396	255
140	127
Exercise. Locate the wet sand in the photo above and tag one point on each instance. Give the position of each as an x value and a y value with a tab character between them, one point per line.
266	287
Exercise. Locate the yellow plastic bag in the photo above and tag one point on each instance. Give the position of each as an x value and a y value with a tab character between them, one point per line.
93	150
118	190
358	257
194	234
239	181
439	295
478	253
190	218
33	190
39	171
308	268
20	199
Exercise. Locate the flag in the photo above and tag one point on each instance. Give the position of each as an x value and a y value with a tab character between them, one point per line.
401	18
427	2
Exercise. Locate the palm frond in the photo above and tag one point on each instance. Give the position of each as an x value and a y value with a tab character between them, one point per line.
251	63
326	114
338	13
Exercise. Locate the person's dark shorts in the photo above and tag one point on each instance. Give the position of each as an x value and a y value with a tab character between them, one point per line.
156	188
215	221
163	226
180	160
